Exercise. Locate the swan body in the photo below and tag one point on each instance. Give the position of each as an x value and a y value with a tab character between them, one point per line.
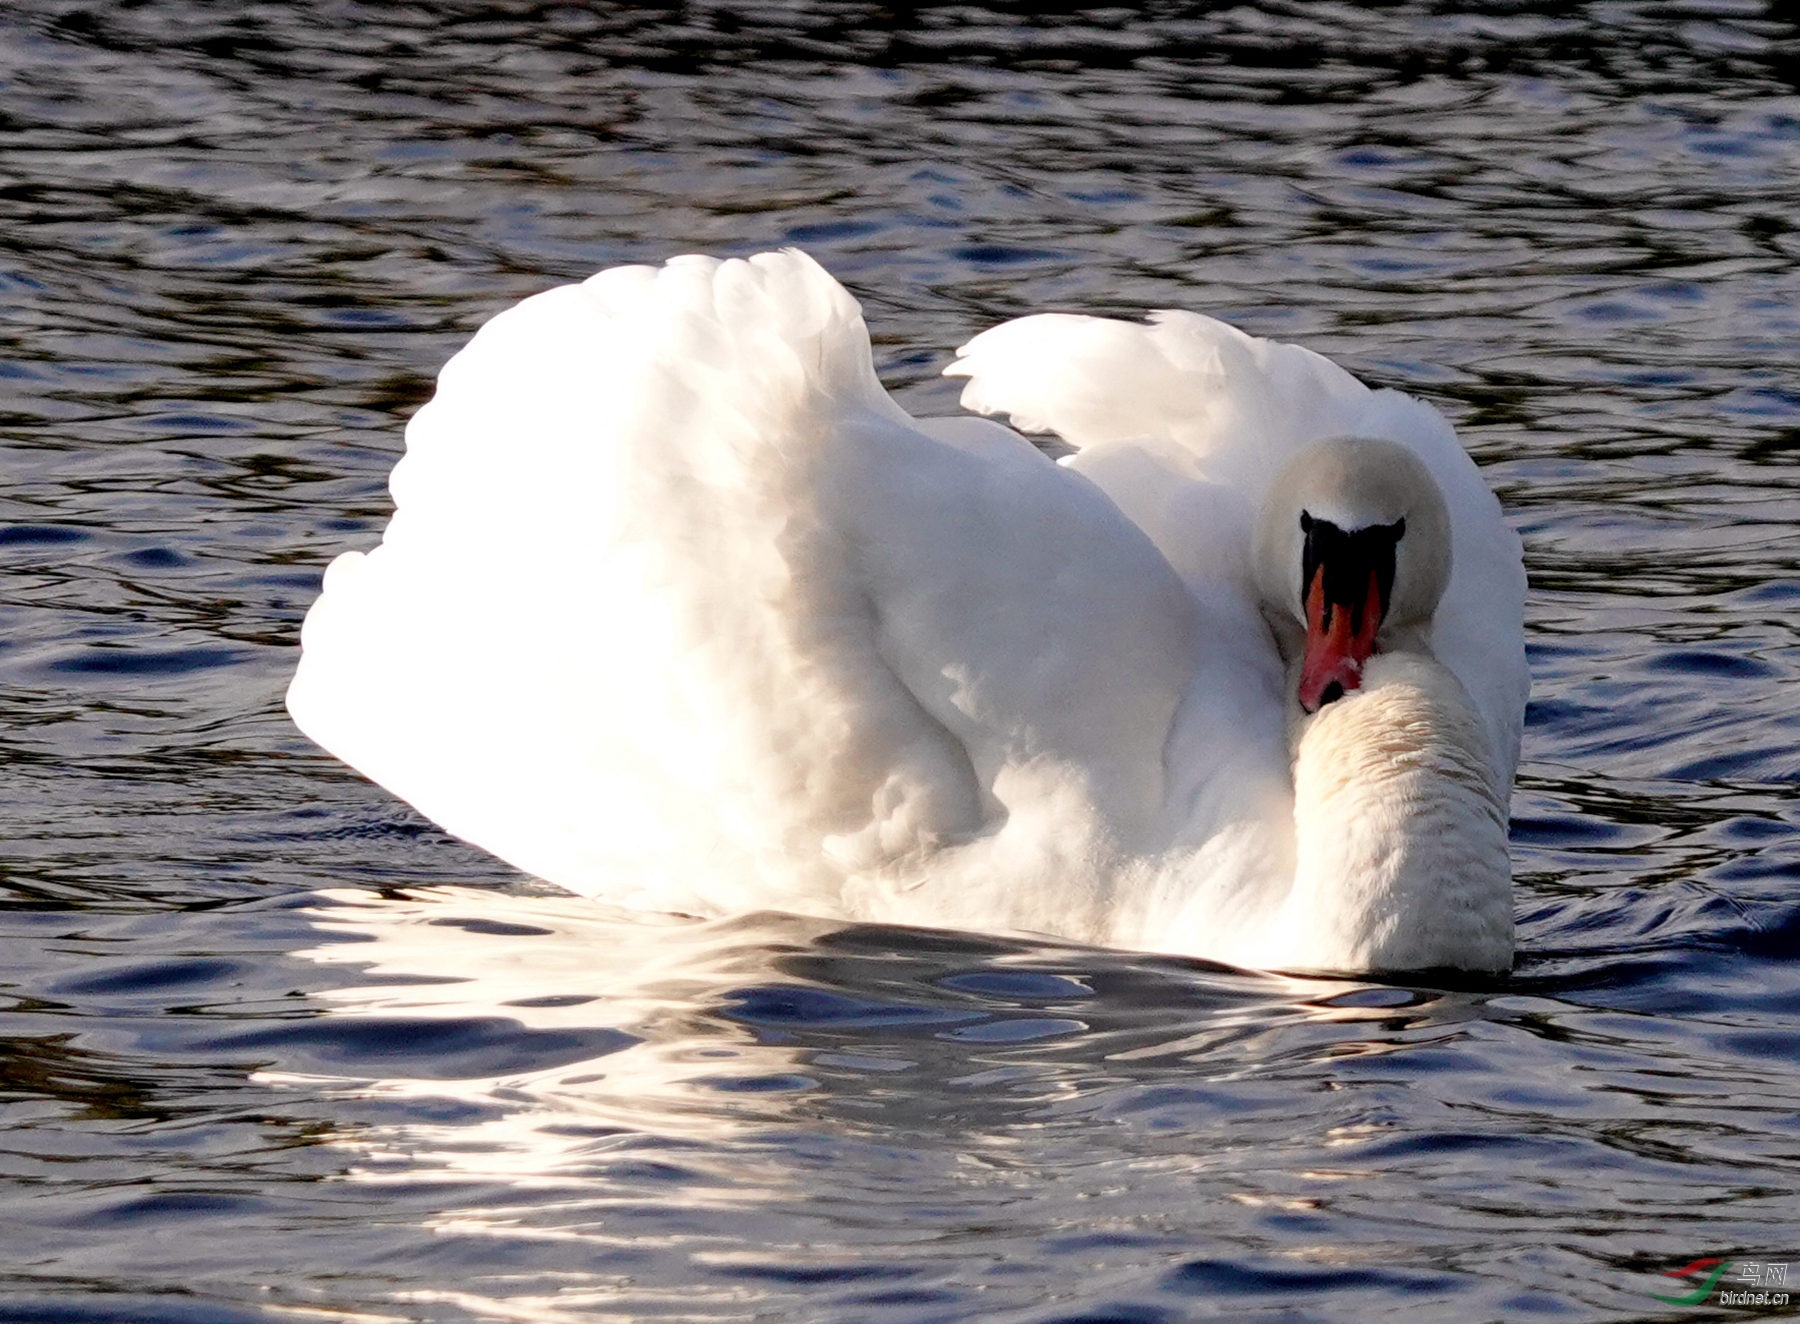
678	608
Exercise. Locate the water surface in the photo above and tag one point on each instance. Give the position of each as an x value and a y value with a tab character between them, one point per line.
272	1044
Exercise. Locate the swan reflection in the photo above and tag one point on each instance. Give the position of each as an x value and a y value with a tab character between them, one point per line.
523	1071
561	1029
569	1023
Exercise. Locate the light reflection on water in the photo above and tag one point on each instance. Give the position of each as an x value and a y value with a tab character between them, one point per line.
864	1098
271	1042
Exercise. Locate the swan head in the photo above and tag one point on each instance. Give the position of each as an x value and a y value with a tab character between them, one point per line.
1352	555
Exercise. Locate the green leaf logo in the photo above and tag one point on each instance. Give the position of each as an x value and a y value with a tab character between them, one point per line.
1688	1272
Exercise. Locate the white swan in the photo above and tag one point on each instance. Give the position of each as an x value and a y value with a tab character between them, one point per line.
680	609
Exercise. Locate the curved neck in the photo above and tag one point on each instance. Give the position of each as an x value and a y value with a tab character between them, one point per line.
1400	834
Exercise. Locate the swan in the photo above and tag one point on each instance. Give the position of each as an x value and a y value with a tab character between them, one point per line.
679	609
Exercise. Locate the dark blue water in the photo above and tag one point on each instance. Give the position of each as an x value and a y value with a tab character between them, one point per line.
274	1049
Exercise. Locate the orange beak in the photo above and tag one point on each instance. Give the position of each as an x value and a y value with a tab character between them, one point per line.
1339	640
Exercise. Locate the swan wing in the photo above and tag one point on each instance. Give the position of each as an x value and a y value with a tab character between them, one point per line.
1186	422
677	606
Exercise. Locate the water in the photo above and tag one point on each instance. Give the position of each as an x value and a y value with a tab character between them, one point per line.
274	1048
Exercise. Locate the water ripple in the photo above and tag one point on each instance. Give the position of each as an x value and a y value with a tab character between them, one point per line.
259	1014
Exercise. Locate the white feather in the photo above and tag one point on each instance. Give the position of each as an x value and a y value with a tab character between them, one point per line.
679	609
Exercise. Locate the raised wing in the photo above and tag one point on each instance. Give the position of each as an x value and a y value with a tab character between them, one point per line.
1186	421
680	608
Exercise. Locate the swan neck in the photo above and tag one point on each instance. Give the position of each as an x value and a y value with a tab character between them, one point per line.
1400	831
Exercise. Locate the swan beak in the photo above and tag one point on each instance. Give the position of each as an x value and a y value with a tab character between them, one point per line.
1346	581
1339	640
